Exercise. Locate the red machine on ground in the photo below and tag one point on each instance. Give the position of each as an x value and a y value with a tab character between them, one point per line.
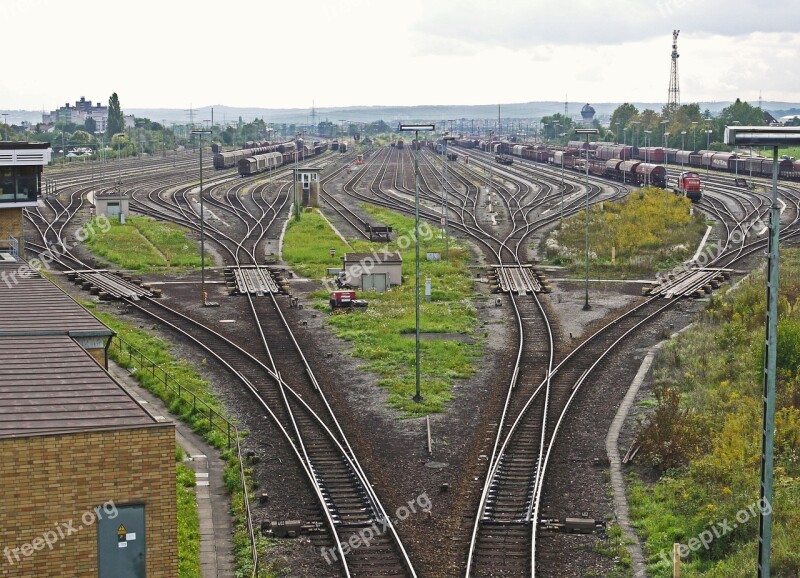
344	301
689	185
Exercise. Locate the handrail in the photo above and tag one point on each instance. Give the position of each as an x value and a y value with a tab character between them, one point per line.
227	428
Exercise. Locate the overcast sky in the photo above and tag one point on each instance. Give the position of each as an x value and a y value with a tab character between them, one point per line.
177	54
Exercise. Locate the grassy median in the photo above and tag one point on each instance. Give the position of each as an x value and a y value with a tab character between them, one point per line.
142	244
650	230
383	335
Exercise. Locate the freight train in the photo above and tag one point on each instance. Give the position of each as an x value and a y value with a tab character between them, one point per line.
230	159
259	163
743	165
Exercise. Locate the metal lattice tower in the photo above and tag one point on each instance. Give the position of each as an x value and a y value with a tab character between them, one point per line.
674	99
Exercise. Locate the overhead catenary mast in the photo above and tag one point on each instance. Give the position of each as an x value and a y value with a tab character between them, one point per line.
674	96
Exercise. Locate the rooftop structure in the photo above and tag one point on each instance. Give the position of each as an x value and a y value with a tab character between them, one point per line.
49	384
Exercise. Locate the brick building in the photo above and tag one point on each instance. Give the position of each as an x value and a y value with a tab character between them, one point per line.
88	476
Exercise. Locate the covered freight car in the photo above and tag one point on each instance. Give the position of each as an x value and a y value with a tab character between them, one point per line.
650	174
259	163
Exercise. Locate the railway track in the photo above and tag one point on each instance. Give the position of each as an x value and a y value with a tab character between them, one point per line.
538	396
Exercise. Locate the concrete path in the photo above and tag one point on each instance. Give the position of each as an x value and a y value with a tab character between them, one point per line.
213	504
613	452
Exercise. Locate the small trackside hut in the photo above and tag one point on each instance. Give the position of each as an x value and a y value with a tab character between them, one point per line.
372	271
307	186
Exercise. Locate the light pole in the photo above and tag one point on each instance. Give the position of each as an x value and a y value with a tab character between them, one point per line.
736	160
664	133
296	192
666	162
445	138
635	130
774	137
683	145
202	221
587	132
416	128
562	186
489	170
5	126
119	136
616	139
708	144
694	133
647	134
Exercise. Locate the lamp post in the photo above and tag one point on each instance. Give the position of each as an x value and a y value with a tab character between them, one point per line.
664	133
694	133
683	145
296	192
202	221
118	136
666	162
774	137
616	139
416	128
587	132
736	160
635	130
445	138
708	144
562	186
647	134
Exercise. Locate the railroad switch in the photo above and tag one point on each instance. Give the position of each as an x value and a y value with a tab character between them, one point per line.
572	525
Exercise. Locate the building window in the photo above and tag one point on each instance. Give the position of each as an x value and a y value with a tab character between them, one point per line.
19	184
7	189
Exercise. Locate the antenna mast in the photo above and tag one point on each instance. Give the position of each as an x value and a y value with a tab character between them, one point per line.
674	97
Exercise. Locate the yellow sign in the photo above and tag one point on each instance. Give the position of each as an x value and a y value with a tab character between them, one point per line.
121	531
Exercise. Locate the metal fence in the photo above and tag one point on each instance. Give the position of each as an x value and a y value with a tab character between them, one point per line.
11	246
216	421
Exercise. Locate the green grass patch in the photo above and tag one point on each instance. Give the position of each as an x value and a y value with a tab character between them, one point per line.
615	547
188	524
142	244
383	335
704	436
649	230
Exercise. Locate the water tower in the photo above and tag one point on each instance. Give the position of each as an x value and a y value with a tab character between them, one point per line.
587	113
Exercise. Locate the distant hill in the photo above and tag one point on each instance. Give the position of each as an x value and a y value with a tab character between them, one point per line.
391	114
